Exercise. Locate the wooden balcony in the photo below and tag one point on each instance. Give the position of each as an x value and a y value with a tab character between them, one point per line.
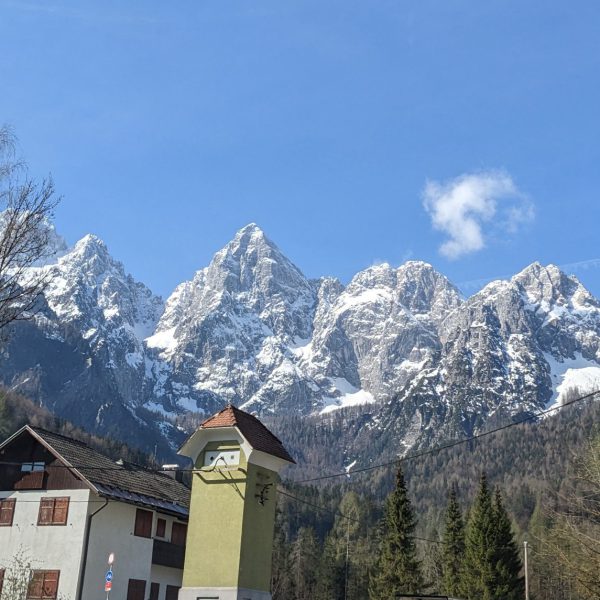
167	554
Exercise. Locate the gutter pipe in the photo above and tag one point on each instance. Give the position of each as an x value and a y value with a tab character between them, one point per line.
86	548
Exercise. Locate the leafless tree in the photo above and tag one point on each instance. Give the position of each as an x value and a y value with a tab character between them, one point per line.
26	209
573	542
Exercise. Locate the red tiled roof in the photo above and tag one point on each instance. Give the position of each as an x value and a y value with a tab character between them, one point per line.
258	436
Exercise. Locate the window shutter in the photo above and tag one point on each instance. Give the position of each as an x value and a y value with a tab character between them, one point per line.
172	592
2	580
136	589
161	527
154	591
50	585
46	511
143	523
61	511
36	585
7	511
178	534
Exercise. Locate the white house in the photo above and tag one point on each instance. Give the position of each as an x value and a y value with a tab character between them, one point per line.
64	508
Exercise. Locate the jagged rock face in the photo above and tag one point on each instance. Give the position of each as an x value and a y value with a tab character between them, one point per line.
251	329
382	328
230	328
504	352
83	353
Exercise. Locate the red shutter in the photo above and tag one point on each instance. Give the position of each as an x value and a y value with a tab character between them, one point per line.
50	585
61	511
136	589
36	585
178	534
7	511
46	511
34	480
172	592
143	524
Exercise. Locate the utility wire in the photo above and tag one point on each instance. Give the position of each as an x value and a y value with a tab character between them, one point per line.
339	514
134	467
478	436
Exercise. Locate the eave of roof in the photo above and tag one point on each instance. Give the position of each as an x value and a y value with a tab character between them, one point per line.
107	469
253	430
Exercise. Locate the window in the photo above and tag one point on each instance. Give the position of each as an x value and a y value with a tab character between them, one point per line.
161	528
43	585
1	580
30	467
154	591
178	534
136	589
143	524
53	511
172	592
7	511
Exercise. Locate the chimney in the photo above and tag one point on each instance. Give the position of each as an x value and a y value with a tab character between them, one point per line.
173	471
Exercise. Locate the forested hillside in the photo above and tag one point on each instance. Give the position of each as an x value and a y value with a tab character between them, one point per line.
532	465
17	410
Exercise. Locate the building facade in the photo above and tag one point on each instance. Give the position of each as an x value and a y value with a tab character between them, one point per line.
64	508
232	516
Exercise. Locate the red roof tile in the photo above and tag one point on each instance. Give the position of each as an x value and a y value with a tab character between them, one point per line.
251	428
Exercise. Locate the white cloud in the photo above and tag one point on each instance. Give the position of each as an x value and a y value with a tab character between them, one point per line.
469	208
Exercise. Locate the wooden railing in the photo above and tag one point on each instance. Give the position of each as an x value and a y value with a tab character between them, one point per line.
167	554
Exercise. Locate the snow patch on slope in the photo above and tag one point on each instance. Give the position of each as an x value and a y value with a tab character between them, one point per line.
570	373
348	396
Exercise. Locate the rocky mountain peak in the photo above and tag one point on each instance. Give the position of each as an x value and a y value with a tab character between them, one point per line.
253	264
422	289
549	285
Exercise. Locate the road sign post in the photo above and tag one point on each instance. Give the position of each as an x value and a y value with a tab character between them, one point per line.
109	575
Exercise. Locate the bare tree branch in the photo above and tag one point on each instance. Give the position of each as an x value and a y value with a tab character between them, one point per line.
26	210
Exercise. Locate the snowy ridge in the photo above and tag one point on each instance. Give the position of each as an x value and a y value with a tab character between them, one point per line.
251	329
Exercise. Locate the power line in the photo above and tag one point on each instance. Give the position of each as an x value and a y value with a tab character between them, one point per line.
339	514
128	467
398	461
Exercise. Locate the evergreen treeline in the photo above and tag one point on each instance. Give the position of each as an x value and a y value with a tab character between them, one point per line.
361	557
17	410
479	524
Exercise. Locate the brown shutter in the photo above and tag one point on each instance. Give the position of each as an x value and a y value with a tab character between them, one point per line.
36	583
172	592
161	527
46	511
7	511
178	534
50	585
136	589
154	591
61	511
143	524
1	579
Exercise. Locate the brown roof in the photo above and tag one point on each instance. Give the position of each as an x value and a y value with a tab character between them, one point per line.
128	482
258	436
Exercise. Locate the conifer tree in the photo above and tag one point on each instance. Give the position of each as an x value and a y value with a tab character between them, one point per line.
453	549
397	571
330	575
304	561
478	572
506	561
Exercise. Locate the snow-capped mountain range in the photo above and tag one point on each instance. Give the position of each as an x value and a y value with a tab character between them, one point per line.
251	329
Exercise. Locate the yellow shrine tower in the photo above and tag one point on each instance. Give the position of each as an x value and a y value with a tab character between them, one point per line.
232	512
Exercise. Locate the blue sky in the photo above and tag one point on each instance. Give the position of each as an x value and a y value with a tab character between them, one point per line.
462	133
